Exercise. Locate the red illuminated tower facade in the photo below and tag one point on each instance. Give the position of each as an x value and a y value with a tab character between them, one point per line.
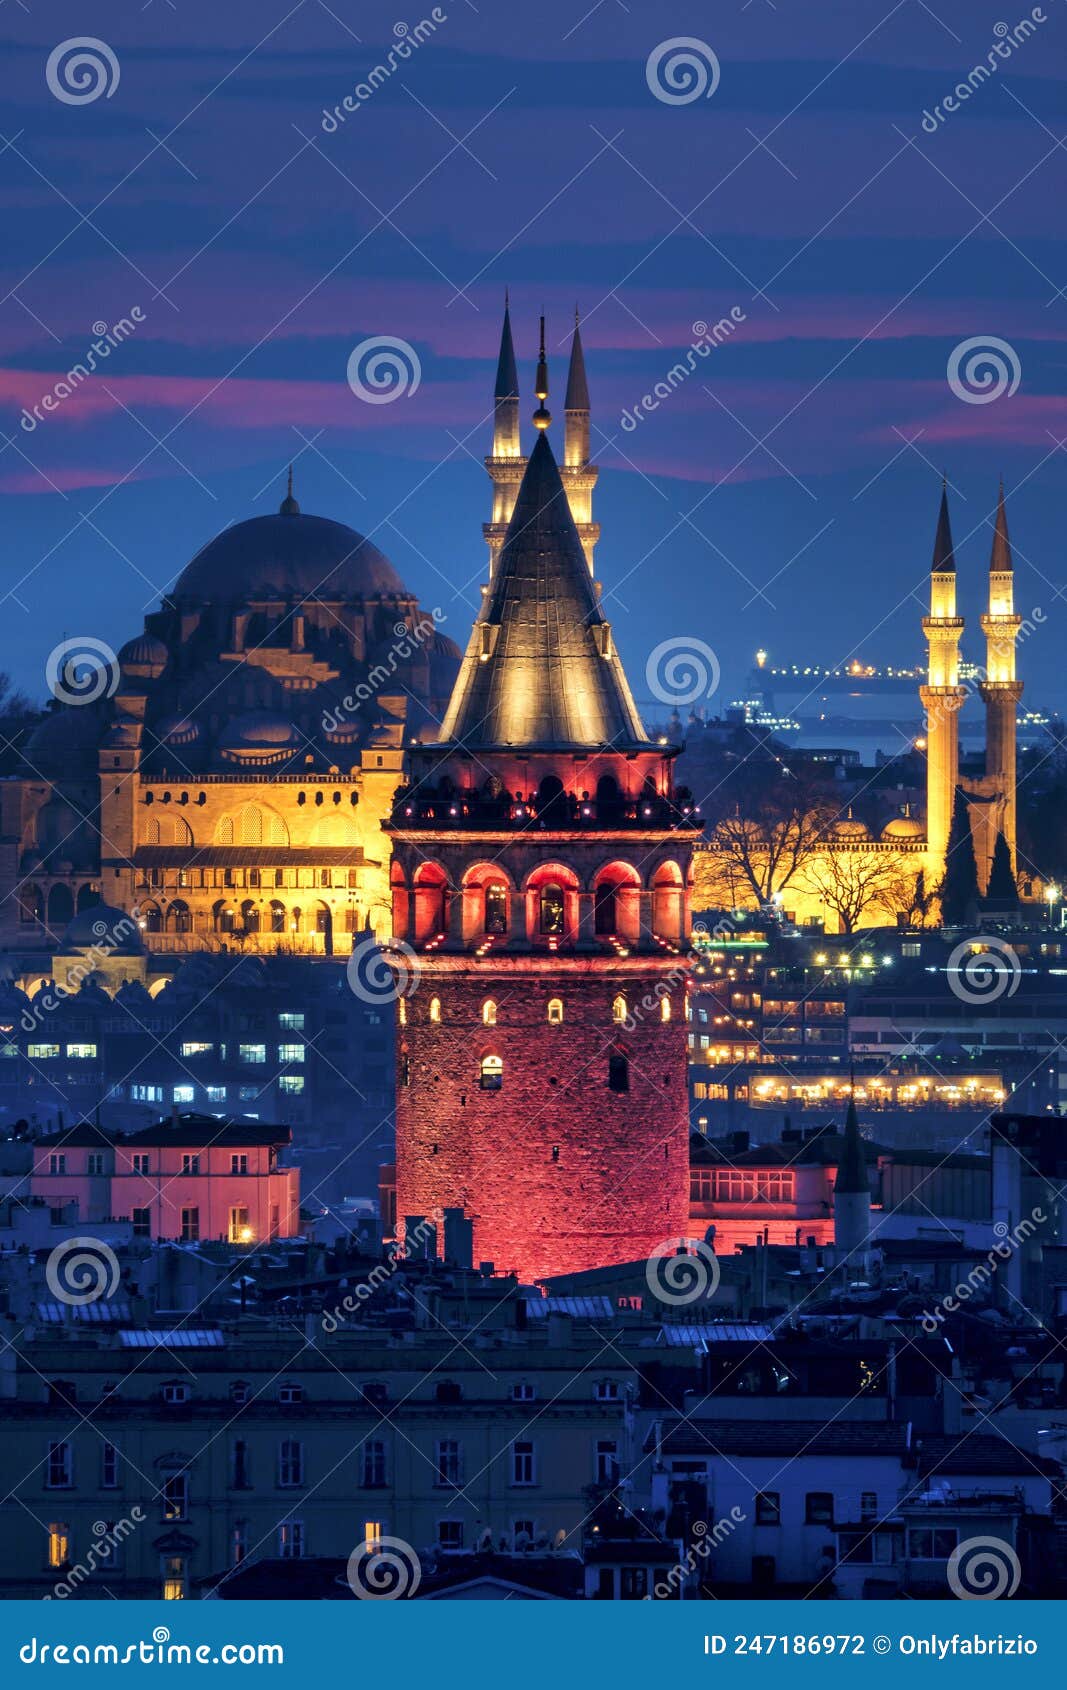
541	872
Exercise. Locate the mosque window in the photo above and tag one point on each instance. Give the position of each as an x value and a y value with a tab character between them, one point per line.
435	1009
489	1013
555	1012
551	909
618	1009
492	1073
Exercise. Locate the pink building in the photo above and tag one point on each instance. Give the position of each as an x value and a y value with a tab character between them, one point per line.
189	1179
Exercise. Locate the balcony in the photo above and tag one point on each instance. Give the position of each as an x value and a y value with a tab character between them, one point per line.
443	807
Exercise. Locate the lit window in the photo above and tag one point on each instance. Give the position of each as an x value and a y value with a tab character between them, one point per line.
81	1051
183	1094
489	1013
435	1009
252	1053
496	908
58	1544
492	1073
239	1230
551	910
196	1047
175	1496
291	1020
555	1012
174	1578
291	1083
665	1009
215	1094
39	1052
290	1053
372	1533
618	1009
402	1010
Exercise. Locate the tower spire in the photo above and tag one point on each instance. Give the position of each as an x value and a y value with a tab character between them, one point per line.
505	463
1000	689
942	695
542	416
1000	561
579	475
289	506
944	560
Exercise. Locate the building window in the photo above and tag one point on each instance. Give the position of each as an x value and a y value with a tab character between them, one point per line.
290	1053
239	1164
448	1462
665	1009
372	1464
196	1047
291	1540
239	1230
931	1543
60	1475
488	1013
238	1542
435	1009
140	1162
190	1164
240	1391
290	1391
633	1584
618	1009
81	1052
522	1533
550	911
450	1534
174	1578
57	1164
606	1390
58	1544
555	1012
522	1391
175	1496
496	908
291	1020
291	1084
522	1462
868	1505
41	1053
290	1463
183	1094
175	1391
768	1508
95	1164
142	1223
252	1053
190	1226
606	1466
819	1508
491	1075
240	1471
109	1467
618	1072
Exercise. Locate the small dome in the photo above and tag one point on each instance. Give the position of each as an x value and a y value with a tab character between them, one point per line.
178	730
849	828
114	931
143	655
343	733
903	827
259	737
65	742
289	555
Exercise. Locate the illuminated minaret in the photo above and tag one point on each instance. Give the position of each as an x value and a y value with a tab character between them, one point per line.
579	476
505	463
942	696
1000	690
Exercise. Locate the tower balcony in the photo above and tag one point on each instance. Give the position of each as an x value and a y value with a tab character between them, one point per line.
442	808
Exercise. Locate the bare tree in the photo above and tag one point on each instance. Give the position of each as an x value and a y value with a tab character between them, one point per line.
757	849
852	882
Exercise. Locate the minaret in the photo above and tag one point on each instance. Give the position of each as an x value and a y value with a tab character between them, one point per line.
578	474
942	696
1000	690
852	1193
505	463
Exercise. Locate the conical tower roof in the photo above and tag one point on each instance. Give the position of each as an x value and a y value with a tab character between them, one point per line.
540	670
944	562
1000	556
852	1168
507	375
577	386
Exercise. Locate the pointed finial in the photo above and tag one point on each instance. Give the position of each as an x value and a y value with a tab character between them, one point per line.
542	416
944	561
1000	562
577	386
289	506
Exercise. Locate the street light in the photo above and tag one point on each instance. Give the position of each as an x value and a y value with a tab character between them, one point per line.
1052	895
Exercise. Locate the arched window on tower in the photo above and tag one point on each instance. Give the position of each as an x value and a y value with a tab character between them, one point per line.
665	1008
489	1013
618	1009
618	1071
555	1012
496	907
435	1009
491	1077
604	918
551	910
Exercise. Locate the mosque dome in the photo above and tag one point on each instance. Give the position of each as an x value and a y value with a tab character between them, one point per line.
289	555
113	930
143	655
903	827
849	828
178	730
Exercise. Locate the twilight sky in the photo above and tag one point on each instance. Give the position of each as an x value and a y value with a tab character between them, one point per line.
784	495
